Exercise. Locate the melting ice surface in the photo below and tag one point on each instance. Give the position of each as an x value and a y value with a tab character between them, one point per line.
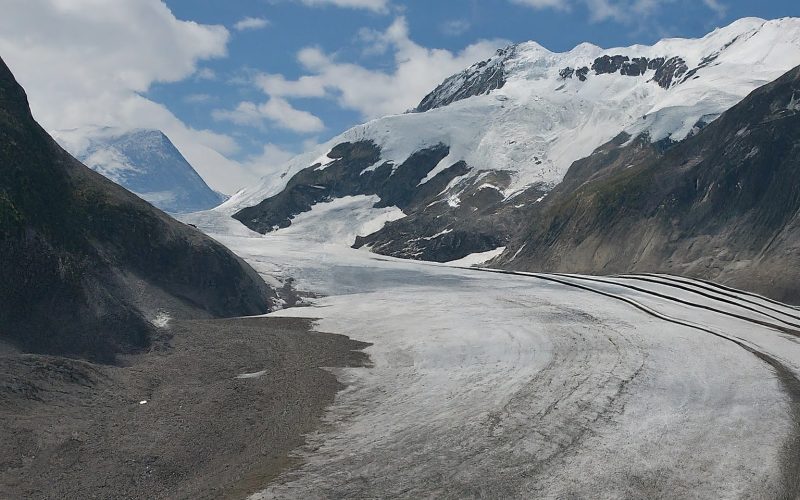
493	385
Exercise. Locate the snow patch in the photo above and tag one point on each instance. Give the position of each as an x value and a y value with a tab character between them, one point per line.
324	161
477	258
440	233
341	220
161	320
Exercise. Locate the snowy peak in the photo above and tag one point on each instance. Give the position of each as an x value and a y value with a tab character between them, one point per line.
480	78
668	63
510	127
146	163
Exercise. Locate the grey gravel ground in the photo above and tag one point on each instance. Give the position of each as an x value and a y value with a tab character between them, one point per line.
71	429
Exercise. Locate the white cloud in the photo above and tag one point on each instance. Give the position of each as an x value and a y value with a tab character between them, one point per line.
276	110
205	74
545	4
278	85
456	27
251	23
380	6
417	70
269	162
717	6
622	11
88	62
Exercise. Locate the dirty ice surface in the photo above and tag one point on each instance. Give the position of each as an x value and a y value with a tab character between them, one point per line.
488	385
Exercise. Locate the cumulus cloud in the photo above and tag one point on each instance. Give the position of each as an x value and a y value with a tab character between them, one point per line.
276	110
278	85
622	11
87	63
456	27
269	162
545	4
718	7
372	93
205	74
380	6
251	23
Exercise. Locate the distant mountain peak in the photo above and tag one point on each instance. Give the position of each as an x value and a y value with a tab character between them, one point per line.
144	161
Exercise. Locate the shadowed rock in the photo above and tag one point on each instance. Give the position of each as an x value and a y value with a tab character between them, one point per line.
87	267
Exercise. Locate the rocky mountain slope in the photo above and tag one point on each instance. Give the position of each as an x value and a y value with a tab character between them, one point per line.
471	163
89	269
144	162
723	204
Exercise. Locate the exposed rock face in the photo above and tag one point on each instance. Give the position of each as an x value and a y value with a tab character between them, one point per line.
656	63
349	175
148	164
479	219
724	204
636	67
435	227
87	267
608	64
672	70
479	79
668	71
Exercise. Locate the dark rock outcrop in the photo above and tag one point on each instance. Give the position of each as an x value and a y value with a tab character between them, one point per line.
657	63
566	73
86	265
670	72
636	67
348	175
608	64
478	219
723	204
478	79
449	216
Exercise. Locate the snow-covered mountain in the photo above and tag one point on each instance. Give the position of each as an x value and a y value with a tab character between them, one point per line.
723	204
494	139
146	163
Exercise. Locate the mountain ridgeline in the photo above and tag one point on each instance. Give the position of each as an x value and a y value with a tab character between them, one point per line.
89	269
558	156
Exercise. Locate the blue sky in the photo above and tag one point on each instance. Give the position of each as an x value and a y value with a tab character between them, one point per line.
241	85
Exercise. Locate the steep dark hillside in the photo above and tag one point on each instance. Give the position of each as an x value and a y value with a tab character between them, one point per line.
723	204
85	266
434	227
